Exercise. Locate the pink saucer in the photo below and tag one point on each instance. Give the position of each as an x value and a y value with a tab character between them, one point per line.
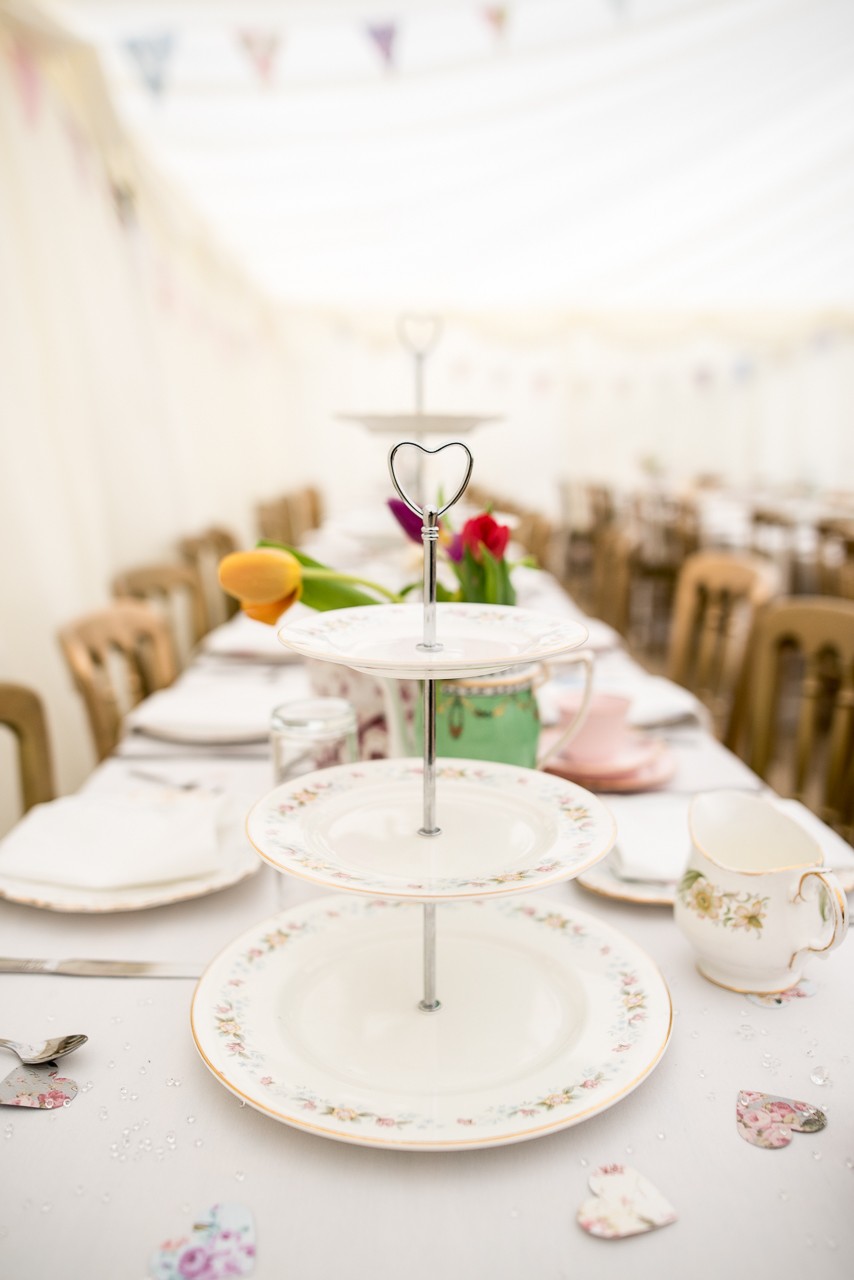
632	754
654	772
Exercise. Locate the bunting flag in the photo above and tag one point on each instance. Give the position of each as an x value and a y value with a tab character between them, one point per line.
496	16
384	37
151	55
262	49
27	82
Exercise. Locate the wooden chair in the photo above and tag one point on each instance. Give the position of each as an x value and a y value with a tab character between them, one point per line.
314	500
535	533
717	597
798	691
176	591
203	552
274	522
612	576
21	711
117	656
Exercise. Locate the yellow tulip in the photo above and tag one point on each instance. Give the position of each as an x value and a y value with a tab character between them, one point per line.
266	581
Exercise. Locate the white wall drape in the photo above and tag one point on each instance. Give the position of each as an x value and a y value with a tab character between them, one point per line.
143	389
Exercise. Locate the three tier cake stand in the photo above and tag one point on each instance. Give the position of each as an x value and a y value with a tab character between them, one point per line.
429	1006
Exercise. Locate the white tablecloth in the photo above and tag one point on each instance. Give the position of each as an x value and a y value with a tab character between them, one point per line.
153	1140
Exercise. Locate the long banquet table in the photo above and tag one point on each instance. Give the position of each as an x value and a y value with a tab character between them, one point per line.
153	1140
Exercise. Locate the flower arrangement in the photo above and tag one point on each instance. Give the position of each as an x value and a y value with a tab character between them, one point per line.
476	556
271	577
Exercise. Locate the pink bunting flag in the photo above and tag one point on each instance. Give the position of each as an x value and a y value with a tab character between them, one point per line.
496	17
384	37
27	81
262	49
152	54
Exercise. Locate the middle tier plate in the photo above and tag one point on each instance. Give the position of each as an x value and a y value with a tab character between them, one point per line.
475	639
503	829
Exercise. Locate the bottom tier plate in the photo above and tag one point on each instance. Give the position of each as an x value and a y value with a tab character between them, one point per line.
548	1016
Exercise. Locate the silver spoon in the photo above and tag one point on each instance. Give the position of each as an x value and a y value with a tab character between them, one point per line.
33	1054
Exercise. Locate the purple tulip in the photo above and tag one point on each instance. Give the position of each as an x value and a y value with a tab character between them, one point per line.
408	521
454	548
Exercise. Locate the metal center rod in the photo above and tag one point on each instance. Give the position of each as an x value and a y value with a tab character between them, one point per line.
429	827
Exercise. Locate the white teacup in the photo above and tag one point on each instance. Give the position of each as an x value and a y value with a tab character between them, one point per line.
755	899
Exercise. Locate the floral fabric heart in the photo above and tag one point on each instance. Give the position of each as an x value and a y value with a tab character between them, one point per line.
41	1088
624	1203
221	1244
764	1120
776	999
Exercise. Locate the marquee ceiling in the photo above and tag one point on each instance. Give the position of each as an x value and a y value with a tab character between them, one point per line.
547	154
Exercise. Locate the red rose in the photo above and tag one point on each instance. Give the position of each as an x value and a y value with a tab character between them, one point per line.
483	531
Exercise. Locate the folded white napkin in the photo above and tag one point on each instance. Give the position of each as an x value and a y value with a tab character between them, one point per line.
152	836
654	843
652	836
243	637
213	712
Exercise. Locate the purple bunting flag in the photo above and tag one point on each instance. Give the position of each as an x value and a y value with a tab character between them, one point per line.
384	36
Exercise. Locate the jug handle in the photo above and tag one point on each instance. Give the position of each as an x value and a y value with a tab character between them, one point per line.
835	896
569	732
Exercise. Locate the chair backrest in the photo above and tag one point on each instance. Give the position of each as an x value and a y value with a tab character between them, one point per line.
810	640
536	534
315	506
612	576
117	656
203	552
274	521
21	711
176	590
717	597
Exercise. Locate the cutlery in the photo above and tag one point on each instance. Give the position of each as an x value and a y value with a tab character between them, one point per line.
47	1051
104	968
169	783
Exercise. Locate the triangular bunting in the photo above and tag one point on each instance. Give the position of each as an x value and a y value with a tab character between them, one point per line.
384	36
496	16
27	82
262	48
151	55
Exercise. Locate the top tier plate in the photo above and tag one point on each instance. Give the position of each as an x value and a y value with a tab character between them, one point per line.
431	424
476	639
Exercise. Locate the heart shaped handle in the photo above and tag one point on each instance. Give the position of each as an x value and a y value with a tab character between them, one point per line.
419	334
412	444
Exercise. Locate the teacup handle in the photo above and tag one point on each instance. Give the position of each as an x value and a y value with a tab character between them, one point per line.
834	897
586	659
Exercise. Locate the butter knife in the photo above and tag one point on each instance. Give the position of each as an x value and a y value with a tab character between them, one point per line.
104	968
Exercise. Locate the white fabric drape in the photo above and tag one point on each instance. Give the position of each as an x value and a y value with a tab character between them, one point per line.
143	391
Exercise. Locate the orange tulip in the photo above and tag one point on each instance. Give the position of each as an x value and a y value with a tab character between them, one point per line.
266	581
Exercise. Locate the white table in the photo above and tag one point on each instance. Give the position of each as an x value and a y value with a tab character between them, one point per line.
153	1140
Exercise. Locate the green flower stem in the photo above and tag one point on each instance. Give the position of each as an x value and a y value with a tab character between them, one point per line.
319	575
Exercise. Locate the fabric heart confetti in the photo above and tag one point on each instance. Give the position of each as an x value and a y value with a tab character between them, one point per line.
221	1244
41	1088
767	1121
624	1203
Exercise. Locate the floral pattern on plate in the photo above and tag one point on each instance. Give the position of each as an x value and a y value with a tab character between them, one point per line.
625	1026
567	830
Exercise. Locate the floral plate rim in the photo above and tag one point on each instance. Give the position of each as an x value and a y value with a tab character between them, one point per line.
571	854
638	987
549	637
